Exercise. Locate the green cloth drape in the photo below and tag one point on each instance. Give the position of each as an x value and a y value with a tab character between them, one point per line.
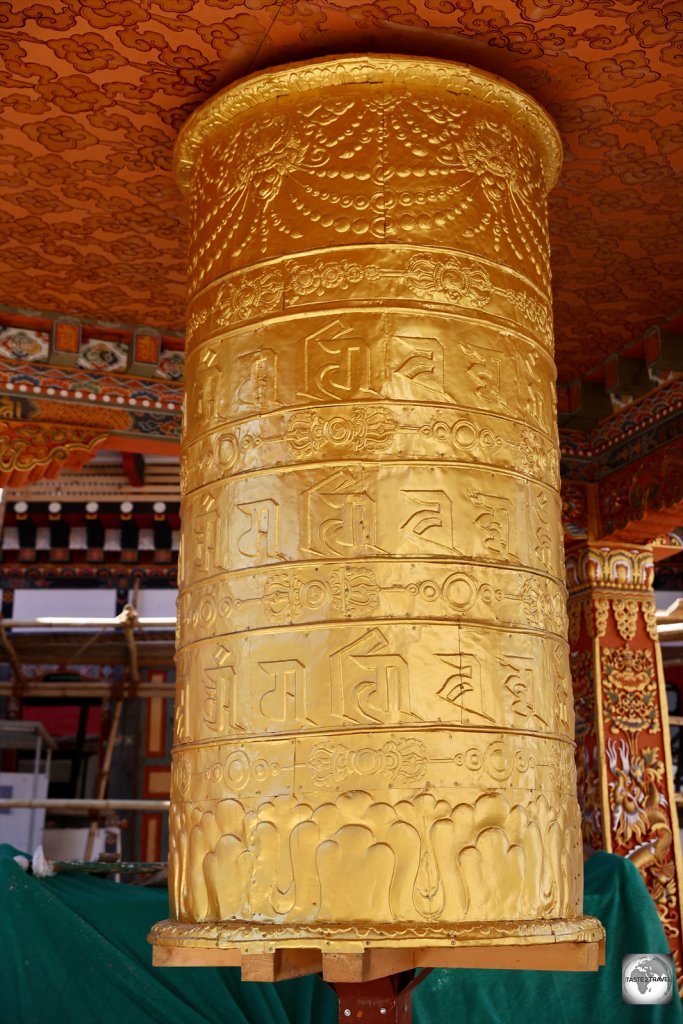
73	949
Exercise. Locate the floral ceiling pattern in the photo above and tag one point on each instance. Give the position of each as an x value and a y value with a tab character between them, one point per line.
93	92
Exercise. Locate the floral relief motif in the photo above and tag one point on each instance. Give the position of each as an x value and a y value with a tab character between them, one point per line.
490	152
596	614
402	760
626	616
649	610
350	591
537	312
457	281
543	604
540	457
563	769
195	322
431	278
292	159
320	276
181	767
631	700
252	295
630	690
269	151
365	430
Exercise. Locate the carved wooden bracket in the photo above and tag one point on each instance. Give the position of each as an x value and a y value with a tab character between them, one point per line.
31	451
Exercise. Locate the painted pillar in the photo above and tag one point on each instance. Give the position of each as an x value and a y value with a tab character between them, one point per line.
622	731
374	736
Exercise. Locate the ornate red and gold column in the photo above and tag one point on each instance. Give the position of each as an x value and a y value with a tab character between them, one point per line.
374	747
624	759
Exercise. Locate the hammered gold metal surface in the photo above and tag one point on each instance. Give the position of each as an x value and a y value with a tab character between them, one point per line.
374	732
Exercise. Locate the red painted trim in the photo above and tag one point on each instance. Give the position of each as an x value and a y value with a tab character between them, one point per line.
120	443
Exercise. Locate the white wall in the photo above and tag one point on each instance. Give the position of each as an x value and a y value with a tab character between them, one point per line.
60	602
155	603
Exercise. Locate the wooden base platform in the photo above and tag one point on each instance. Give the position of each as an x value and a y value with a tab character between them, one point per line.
371	963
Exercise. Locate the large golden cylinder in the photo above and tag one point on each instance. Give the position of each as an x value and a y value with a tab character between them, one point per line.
374	734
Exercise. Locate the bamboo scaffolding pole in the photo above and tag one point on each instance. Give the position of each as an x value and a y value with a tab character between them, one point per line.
19	681
128	620
129	617
104	775
73	660
117	622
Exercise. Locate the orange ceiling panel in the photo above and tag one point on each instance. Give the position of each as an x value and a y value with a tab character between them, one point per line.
93	92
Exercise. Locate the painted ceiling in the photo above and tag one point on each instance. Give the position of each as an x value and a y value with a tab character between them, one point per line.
93	92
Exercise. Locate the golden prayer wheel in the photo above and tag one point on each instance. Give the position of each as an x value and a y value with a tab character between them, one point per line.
374	731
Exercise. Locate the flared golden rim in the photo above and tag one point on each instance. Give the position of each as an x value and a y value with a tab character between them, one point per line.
254	934
301	77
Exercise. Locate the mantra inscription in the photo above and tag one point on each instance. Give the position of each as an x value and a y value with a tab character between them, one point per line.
372	659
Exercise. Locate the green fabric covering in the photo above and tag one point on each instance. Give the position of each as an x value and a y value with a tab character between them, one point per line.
74	949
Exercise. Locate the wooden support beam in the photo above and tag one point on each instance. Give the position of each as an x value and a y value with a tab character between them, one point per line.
558	956
281	964
568	399
593	405
373	963
367	965
107	651
172	956
388	1000
124	640
134	468
664	352
627	376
